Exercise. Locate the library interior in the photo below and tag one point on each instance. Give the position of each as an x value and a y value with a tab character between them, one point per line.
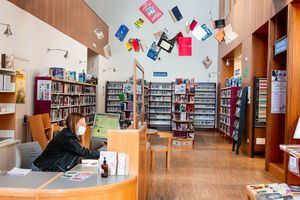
149	99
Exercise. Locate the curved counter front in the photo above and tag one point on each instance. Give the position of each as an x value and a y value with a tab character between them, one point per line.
52	186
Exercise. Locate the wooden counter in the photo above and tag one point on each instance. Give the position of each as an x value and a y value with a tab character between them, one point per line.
51	186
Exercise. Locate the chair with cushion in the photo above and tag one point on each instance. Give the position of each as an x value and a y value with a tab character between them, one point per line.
161	143
29	152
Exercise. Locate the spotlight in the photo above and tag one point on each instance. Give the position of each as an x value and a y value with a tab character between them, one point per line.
7	31
227	63
66	55
113	68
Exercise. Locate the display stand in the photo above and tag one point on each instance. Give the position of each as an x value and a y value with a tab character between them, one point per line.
240	128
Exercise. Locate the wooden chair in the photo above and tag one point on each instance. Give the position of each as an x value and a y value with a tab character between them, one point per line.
164	148
86	138
38	130
48	128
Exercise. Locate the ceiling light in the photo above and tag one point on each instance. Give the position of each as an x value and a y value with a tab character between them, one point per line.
227	63
7	31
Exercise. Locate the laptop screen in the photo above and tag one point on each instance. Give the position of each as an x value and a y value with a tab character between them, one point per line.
104	122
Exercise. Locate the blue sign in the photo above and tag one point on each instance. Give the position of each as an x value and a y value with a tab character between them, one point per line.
280	46
160	74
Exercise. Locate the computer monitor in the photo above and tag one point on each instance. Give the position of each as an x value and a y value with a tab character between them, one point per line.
104	122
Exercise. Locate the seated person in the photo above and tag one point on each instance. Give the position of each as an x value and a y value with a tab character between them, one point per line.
64	151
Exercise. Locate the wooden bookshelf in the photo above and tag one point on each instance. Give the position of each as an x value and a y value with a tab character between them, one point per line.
67	97
8	134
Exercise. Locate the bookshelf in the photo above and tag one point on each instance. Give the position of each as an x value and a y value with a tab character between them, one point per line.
183	114
126	104
65	97
205	106
159	111
227	109
146	101
7	104
113	92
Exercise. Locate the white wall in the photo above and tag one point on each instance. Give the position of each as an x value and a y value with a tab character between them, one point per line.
116	12
30	39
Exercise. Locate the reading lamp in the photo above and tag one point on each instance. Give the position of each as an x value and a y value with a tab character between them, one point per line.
297	131
7	31
114	69
66	52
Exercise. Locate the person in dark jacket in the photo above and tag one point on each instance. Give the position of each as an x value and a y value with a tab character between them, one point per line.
64	151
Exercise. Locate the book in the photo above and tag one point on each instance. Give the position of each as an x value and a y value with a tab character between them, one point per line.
136	45
208	32
57	72
198	32
151	11
185	46
165	44
1	82
123	164
143	45
230	35
18	172
128	46
72	75
220	35
111	160
139	23
193	24
175	14
220	23
153	51
122	32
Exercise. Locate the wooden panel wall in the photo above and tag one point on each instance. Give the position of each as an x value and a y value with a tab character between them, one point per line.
293	83
248	16
72	17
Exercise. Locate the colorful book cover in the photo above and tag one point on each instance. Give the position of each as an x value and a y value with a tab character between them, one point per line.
136	45
185	46
176	14
151	11
122	32
139	23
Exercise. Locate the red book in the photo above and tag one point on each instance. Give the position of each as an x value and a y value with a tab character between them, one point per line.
185	46
193	25
136	46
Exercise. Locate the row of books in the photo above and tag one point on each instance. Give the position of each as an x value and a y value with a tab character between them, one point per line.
62	114
6	84
72	101
159	116
115	85
225	102
114	91
72	88
184	108
183	116
183	127
205	101
184	99
226	93
160	98
160	110
163	93
261	102
205	95
159	104
205	117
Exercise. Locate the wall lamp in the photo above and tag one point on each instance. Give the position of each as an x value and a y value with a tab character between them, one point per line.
7	31
113	68
66	52
82	61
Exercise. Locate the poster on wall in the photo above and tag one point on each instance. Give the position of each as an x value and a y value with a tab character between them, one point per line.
44	90
151	11
278	96
20	87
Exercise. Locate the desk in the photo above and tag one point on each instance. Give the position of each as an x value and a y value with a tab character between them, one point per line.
50	186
